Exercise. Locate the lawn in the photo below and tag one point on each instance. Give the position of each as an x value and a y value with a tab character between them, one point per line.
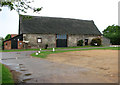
5	75
44	54
17	50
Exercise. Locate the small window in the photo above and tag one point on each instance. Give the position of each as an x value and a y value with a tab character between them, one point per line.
20	43
39	40
62	36
6	44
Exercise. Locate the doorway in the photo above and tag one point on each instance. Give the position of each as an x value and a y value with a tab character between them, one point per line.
14	43
86	41
61	40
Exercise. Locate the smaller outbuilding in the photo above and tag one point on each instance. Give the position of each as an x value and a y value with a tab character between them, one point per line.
15	42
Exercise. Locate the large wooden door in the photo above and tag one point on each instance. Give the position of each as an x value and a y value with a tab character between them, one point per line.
14	43
61	41
86	41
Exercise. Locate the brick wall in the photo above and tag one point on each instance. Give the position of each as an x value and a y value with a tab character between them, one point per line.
20	44
7	45
13	35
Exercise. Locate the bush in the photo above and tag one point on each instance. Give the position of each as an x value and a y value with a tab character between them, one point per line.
46	46
8	37
115	41
80	43
96	42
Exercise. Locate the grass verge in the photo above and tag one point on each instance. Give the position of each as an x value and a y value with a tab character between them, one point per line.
44	54
17	50
6	76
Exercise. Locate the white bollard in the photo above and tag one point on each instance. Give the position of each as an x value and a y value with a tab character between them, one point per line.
36	53
95	43
40	49
53	49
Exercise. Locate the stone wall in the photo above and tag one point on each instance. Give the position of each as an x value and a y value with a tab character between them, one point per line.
105	41
73	39
49	39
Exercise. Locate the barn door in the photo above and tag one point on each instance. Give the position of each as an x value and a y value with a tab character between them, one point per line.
61	41
86	41
14	43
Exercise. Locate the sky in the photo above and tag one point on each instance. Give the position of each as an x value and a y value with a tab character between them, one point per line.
102	12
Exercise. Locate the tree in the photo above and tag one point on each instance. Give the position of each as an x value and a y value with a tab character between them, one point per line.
19	5
8	37
1	41
113	33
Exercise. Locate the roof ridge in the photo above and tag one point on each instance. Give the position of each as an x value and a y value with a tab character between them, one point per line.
58	18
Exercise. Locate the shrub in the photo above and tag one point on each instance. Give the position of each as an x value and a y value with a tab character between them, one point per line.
96	42
46	46
80	43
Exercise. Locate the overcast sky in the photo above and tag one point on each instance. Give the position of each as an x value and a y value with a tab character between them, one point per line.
102	12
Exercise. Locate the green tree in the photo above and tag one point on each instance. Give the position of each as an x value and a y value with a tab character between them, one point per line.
8	37
113	33
1	41
19	5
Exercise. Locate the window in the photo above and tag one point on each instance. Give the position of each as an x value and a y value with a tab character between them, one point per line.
61	36
39	40
20	43
5	43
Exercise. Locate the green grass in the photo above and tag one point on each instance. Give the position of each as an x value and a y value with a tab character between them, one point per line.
17	50
6	75
78	47
44	54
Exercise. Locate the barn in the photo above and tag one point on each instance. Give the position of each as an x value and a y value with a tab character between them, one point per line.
38	31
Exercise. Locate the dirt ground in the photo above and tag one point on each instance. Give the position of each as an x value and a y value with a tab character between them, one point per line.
104	62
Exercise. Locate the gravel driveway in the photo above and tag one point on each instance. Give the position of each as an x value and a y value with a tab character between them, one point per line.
37	70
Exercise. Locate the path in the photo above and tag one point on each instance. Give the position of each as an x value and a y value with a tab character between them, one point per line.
37	70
